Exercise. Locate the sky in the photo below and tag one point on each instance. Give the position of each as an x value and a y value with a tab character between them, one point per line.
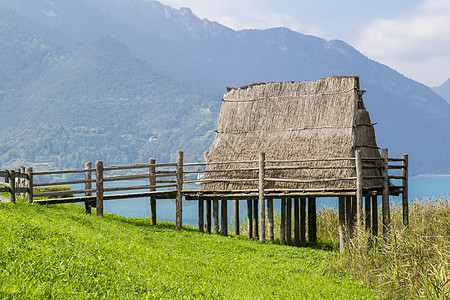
410	36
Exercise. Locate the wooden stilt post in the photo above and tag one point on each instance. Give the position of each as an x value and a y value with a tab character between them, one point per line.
152	173
249	219
367	213
255	219
29	172
385	197
215	216
302	222
283	222
179	197
375	215
288	221
99	187
22	182
341	212
236	217
12	183
312	220
201	217
270	229
354	208
224	218
405	199
348	214
261	198
208	216
87	186
359	190
297	222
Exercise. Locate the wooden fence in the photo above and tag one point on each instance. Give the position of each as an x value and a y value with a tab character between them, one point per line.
166	180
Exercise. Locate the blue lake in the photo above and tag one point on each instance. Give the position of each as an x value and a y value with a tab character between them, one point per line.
420	187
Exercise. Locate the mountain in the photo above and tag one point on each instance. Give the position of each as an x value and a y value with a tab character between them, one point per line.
410	117
68	103
443	90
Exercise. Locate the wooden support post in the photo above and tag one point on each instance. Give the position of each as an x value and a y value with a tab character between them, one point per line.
297	222
87	186
215	216
312	220
261	198
236	217
255	219
29	172
249	219
12	182
270	224
224	218
302	222
385	197
283	222
353	220
18	182
359	190
208	216
341	212
152	173
99	187
348	214
201	217
288	221
405	199
367	213
179	197
375	215
22	182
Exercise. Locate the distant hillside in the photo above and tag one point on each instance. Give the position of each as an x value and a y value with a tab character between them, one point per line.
443	90
68	103
411	118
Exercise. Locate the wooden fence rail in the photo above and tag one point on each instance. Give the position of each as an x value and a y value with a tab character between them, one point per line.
166	181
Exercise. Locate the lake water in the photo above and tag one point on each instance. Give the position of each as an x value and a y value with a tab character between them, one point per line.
419	187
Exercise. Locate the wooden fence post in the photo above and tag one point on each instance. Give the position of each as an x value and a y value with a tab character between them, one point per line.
283	222
236	217
341	212
224	218
405	199
87	186
201	216
249	219
152	173
385	198
289	221
29	172
215	216
359	189
99	187
179	197
261	198
270	232
12	183
367	213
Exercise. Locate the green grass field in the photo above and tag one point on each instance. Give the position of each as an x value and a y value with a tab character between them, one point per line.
57	252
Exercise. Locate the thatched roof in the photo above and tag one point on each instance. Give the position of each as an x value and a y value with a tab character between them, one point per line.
292	121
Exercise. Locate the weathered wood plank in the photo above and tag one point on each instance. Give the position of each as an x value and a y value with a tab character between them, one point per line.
179	197
359	189
99	187
385	196
87	186
152	182
261	199
405	197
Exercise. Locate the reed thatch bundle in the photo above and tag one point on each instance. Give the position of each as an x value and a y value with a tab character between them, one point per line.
292	121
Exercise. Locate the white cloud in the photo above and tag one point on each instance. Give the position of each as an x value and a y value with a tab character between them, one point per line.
414	43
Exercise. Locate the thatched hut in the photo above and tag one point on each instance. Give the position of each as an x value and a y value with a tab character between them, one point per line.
293	121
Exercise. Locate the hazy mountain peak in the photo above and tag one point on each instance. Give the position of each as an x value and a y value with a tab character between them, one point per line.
443	90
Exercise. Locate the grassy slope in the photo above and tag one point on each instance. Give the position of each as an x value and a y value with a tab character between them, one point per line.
58	252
